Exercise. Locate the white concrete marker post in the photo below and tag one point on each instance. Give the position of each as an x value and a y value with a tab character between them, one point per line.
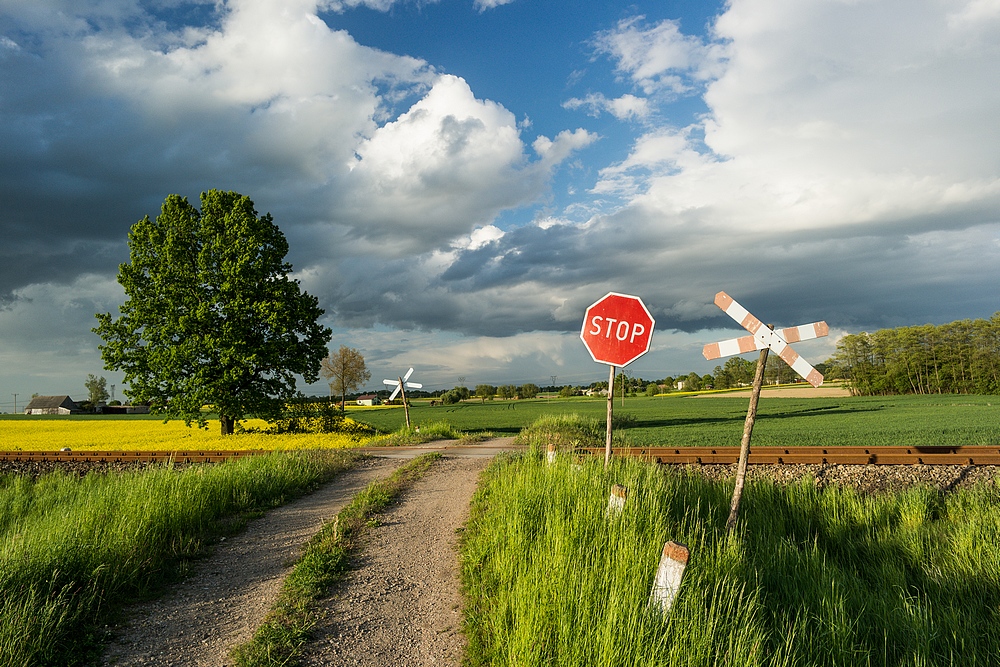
669	574
616	501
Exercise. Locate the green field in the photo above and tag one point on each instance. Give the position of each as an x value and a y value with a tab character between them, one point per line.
671	421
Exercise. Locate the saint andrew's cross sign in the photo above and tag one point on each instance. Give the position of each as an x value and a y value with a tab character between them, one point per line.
764	338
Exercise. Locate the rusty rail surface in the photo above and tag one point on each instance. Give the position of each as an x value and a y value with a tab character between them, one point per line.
929	455
195	456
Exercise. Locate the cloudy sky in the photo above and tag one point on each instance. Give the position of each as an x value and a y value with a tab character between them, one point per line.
459	179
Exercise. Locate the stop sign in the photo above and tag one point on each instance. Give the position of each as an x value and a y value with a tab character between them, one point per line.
617	329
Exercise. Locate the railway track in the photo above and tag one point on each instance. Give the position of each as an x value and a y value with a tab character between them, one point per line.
929	455
197	456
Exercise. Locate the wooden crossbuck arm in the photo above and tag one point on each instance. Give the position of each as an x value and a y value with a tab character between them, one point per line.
744	344
762	337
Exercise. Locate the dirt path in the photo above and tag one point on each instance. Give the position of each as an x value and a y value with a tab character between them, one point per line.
228	594
401	605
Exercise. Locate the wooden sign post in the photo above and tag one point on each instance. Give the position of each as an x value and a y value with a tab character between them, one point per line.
765	339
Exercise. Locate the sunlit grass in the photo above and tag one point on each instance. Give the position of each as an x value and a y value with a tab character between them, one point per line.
124	434
73	549
811	577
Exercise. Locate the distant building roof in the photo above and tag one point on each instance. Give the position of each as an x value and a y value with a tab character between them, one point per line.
41	402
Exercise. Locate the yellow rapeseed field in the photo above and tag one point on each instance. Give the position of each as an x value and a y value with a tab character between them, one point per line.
124	434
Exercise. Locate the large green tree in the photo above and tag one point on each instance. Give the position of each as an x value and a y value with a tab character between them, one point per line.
211	315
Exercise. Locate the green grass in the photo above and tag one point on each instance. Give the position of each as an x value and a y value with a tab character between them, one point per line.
810	577
674	421
279	639
74	550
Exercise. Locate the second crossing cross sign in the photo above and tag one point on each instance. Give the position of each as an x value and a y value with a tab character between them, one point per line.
764	338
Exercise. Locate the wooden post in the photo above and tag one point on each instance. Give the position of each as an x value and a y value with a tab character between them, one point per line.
741	468
406	408
611	405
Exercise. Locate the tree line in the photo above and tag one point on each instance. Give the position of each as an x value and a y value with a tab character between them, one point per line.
961	357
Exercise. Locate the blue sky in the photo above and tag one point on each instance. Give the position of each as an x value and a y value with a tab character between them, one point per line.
458	180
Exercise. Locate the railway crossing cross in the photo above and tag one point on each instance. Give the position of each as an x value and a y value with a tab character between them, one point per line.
399	382
765	339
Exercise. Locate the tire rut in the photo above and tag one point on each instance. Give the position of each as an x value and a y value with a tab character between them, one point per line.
401	604
226	596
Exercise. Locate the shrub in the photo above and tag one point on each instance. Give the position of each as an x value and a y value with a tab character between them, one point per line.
313	417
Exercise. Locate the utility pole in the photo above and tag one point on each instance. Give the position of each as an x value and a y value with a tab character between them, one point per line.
15	404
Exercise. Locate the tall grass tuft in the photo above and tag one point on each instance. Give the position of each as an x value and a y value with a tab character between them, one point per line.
811	577
73	550
423	432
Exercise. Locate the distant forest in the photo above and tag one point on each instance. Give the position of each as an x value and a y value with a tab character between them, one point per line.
962	357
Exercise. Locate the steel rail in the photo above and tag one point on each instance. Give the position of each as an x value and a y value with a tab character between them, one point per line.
882	455
192	456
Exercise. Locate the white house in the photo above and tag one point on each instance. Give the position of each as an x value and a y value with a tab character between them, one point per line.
369	400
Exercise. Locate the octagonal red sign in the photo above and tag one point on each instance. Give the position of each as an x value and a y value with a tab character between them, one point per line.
617	329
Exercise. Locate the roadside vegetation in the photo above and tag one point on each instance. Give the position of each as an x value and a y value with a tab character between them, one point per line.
430	432
811	577
326	557
73	550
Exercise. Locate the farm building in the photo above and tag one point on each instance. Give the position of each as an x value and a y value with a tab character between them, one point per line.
124	409
51	405
368	399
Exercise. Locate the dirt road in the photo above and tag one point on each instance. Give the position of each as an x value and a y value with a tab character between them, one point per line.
400	607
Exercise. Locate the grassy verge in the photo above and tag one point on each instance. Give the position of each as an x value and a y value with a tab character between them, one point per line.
810	577
279	639
73	550
428	432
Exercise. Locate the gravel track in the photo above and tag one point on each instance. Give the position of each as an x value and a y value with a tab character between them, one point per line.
401	605
228	594
865	479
